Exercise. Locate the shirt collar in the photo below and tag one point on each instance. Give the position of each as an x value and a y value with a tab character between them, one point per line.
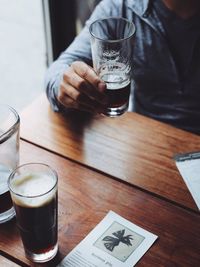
140	7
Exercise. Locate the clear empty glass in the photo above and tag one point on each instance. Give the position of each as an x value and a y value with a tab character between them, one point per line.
9	157
112	48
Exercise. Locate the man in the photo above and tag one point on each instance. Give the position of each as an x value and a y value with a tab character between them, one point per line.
166	63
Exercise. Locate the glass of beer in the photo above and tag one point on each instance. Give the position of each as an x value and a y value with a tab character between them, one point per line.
33	189
112	53
9	157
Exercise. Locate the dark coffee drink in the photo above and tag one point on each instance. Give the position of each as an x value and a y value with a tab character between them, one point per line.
118	97
38	226
5	202
117	90
5	198
36	212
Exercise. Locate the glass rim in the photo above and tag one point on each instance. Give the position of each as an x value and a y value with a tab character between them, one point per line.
34	196
116	40
13	127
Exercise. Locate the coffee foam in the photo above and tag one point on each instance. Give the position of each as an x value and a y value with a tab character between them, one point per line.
32	187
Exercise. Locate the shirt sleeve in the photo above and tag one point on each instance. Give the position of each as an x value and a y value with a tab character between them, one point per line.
79	50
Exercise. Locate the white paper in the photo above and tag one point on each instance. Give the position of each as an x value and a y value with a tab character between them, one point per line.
114	242
190	171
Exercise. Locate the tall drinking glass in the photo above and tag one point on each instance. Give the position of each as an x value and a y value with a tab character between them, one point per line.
33	190
112	47
9	157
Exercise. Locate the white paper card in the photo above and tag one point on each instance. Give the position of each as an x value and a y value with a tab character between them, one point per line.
190	170
114	242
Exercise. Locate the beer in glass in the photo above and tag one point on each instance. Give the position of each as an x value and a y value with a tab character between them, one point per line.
112	46
33	190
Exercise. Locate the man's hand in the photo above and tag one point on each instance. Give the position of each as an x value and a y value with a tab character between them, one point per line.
82	89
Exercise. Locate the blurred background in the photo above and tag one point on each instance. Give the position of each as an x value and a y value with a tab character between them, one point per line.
32	35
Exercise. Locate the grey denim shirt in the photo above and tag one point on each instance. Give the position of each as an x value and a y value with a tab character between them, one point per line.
157	89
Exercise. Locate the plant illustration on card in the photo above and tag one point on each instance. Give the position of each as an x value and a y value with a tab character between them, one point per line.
112	242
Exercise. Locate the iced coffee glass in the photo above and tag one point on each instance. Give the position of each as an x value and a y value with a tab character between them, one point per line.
9	157
112	47
33	189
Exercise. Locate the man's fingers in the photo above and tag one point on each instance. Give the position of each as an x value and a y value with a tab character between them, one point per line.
86	72
67	89
70	103
81	88
88	81
85	100
68	94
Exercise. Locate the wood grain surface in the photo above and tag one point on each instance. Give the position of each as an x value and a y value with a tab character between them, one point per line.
132	148
86	196
4	262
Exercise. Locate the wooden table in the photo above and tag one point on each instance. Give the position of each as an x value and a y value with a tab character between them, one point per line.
132	148
138	190
4	262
